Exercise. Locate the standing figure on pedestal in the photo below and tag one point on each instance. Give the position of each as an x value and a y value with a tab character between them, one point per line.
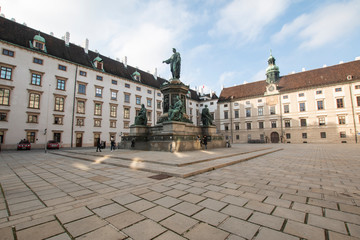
176	112
206	117
141	118
175	64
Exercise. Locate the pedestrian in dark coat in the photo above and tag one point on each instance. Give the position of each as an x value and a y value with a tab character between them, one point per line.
98	145
112	147
205	141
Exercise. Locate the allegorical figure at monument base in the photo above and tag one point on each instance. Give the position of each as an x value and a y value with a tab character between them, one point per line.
175	64
141	118
206	117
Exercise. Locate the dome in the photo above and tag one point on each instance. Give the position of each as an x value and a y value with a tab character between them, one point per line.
39	38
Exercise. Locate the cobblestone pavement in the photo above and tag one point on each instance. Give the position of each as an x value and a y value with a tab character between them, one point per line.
302	192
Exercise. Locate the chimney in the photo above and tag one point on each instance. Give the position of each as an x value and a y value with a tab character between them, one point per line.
51	33
117	59
13	19
222	87
211	93
155	73
341	62
125	61
86	49
324	66
67	39
303	69
357	58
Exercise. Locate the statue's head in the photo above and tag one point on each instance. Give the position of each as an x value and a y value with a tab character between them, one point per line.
206	106
174	50
142	105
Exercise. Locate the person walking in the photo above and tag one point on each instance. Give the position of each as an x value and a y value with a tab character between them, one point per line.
205	141
98	145
112	147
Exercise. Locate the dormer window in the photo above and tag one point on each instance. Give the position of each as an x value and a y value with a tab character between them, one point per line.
136	76
38	43
98	63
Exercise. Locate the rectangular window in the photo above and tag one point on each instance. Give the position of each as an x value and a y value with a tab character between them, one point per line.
159	94
126	125
272	110
287	123
358	101
149	116
59	104
32	118
273	124
260	111
286	108
126	113
148	102
60	84
114	82
113	95
158	105
138	88
149	91
113	110
80	122
8	52
341	119
288	136
112	124
97	110
225	105
285	97
81	107
34	100
301	94
236	113
323	134
338	89
58	120
321	121
259	100
320	105
62	67
357	86
304	135
98	92
319	92
82	73
31	136
36	79
138	100
100	78
226	114
127	85
127	98
248	112
3	116
302	107
226	127
261	125
82	88
38	61
237	127
248	126
303	122
340	103
342	134
39	45
212	103
57	137
97	122
4	96
237	137
5	73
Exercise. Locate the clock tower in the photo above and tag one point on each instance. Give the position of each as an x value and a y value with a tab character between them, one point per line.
272	76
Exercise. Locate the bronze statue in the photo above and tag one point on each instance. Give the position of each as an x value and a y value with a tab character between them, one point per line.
175	64
206	117
176	112
141	118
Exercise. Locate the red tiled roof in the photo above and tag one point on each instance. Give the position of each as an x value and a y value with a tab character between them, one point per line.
308	79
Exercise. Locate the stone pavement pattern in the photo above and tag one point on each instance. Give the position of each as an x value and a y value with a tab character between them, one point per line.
301	192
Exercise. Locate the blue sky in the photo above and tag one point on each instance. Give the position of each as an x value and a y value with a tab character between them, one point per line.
221	42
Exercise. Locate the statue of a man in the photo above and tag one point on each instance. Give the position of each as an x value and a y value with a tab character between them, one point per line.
175	113
141	118
206	117
175	64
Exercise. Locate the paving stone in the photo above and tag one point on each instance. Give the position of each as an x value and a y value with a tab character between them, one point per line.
350	209
109	210
339	236
41	231
307	208
304	231
34	222
60	200
62	236
152	195
73	214
99	203
167	201
239	227
235	211
289	214
175	193
107	232
269	234
85	225
212	204
234	237
180	186
3	214
258	206
267	220
239	201
124	219
6	233
126	199
187	208
203	231
214	195
140	205
344	216
322	203
158	213
278	202
354	230
179	223
168	235
192	198
24	205
294	198
253	196
327	223
144	230
210	216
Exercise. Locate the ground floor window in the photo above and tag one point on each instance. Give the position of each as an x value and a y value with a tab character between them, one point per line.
2	137
57	137
30	136
304	135
342	134
288	136
323	134
96	138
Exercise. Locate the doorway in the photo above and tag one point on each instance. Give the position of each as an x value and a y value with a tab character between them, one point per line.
274	137
79	137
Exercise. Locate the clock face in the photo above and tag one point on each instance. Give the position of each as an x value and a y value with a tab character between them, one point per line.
271	88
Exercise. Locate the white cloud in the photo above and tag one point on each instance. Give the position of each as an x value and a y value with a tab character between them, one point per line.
244	20
323	26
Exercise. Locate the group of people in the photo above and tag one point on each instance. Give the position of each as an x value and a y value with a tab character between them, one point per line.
203	141
99	145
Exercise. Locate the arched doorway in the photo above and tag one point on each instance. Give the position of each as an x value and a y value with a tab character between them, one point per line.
274	137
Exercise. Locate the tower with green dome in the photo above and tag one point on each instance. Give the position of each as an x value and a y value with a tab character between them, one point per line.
272	71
